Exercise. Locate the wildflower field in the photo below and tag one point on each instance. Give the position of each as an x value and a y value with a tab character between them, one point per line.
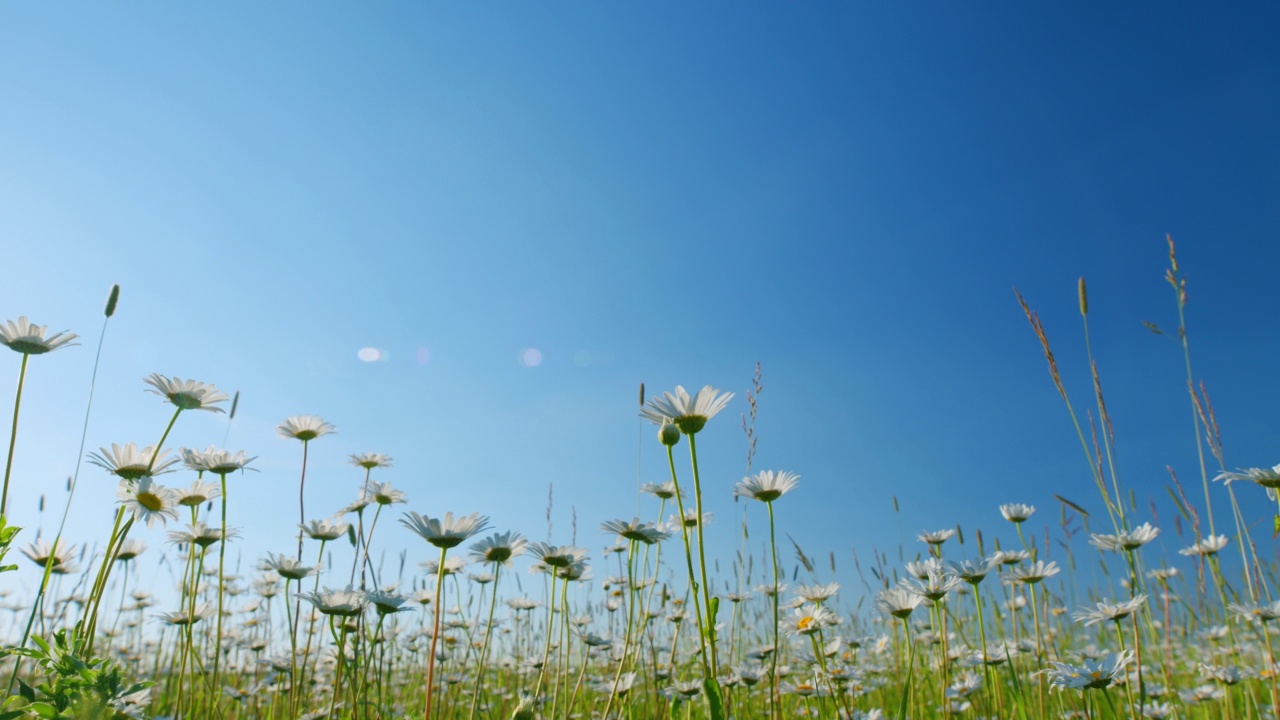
974	623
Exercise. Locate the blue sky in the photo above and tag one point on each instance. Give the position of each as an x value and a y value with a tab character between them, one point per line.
665	194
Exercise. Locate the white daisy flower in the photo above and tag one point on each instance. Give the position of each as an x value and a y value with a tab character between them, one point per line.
1017	512
1126	540
370	460
185	394
445	532
148	501
28	339
305	427
767	485
499	548
1206	546
130	463
688	414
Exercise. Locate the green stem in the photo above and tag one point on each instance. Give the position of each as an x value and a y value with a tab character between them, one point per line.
13	434
435	635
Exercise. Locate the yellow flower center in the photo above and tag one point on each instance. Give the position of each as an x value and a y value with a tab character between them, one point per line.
805	622
150	501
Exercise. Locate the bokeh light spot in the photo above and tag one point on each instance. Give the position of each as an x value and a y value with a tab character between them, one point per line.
369	354
531	357
423	356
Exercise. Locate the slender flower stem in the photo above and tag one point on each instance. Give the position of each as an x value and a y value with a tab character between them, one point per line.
484	650
776	709
710	631
222	556
688	556
302	513
13	434
435	635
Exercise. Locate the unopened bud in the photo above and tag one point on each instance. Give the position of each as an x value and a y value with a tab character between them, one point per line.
669	434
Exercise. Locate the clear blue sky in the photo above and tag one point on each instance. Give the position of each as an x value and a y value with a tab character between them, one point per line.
666	193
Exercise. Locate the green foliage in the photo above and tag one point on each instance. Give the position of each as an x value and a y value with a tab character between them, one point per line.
7	534
71	687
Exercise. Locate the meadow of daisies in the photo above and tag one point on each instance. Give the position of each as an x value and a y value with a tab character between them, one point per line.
965	628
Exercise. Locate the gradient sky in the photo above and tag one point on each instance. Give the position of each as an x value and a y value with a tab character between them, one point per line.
663	193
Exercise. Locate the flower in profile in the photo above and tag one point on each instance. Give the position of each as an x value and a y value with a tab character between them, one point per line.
688	414
1206	546
305	427
817	594
385	494
286	567
1010	557
1033	573
130	463
674	523
663	491
1268	478
40	552
342	603
197	494
767	485
452	566
325	529
899	601
1017	512
1093	674
370	460
499	548
185	394
1127	539
558	555
1255	612
182	618
445	532
645	532
937	537
1111	611
214	460
921	569
28	339
148	501
385	602
935	585
973	571
200	534
130	549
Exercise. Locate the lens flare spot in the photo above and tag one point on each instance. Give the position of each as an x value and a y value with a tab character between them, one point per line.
531	357
422	356
369	354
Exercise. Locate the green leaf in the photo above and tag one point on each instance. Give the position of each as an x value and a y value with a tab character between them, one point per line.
25	691
44	710
715	704
1276	532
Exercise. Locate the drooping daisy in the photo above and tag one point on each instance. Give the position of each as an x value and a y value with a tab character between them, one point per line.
130	463
185	394
1206	546
1126	540
445	532
28	339
305	427
767	485
688	414
325	529
499	548
370	460
148	501
1017	512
